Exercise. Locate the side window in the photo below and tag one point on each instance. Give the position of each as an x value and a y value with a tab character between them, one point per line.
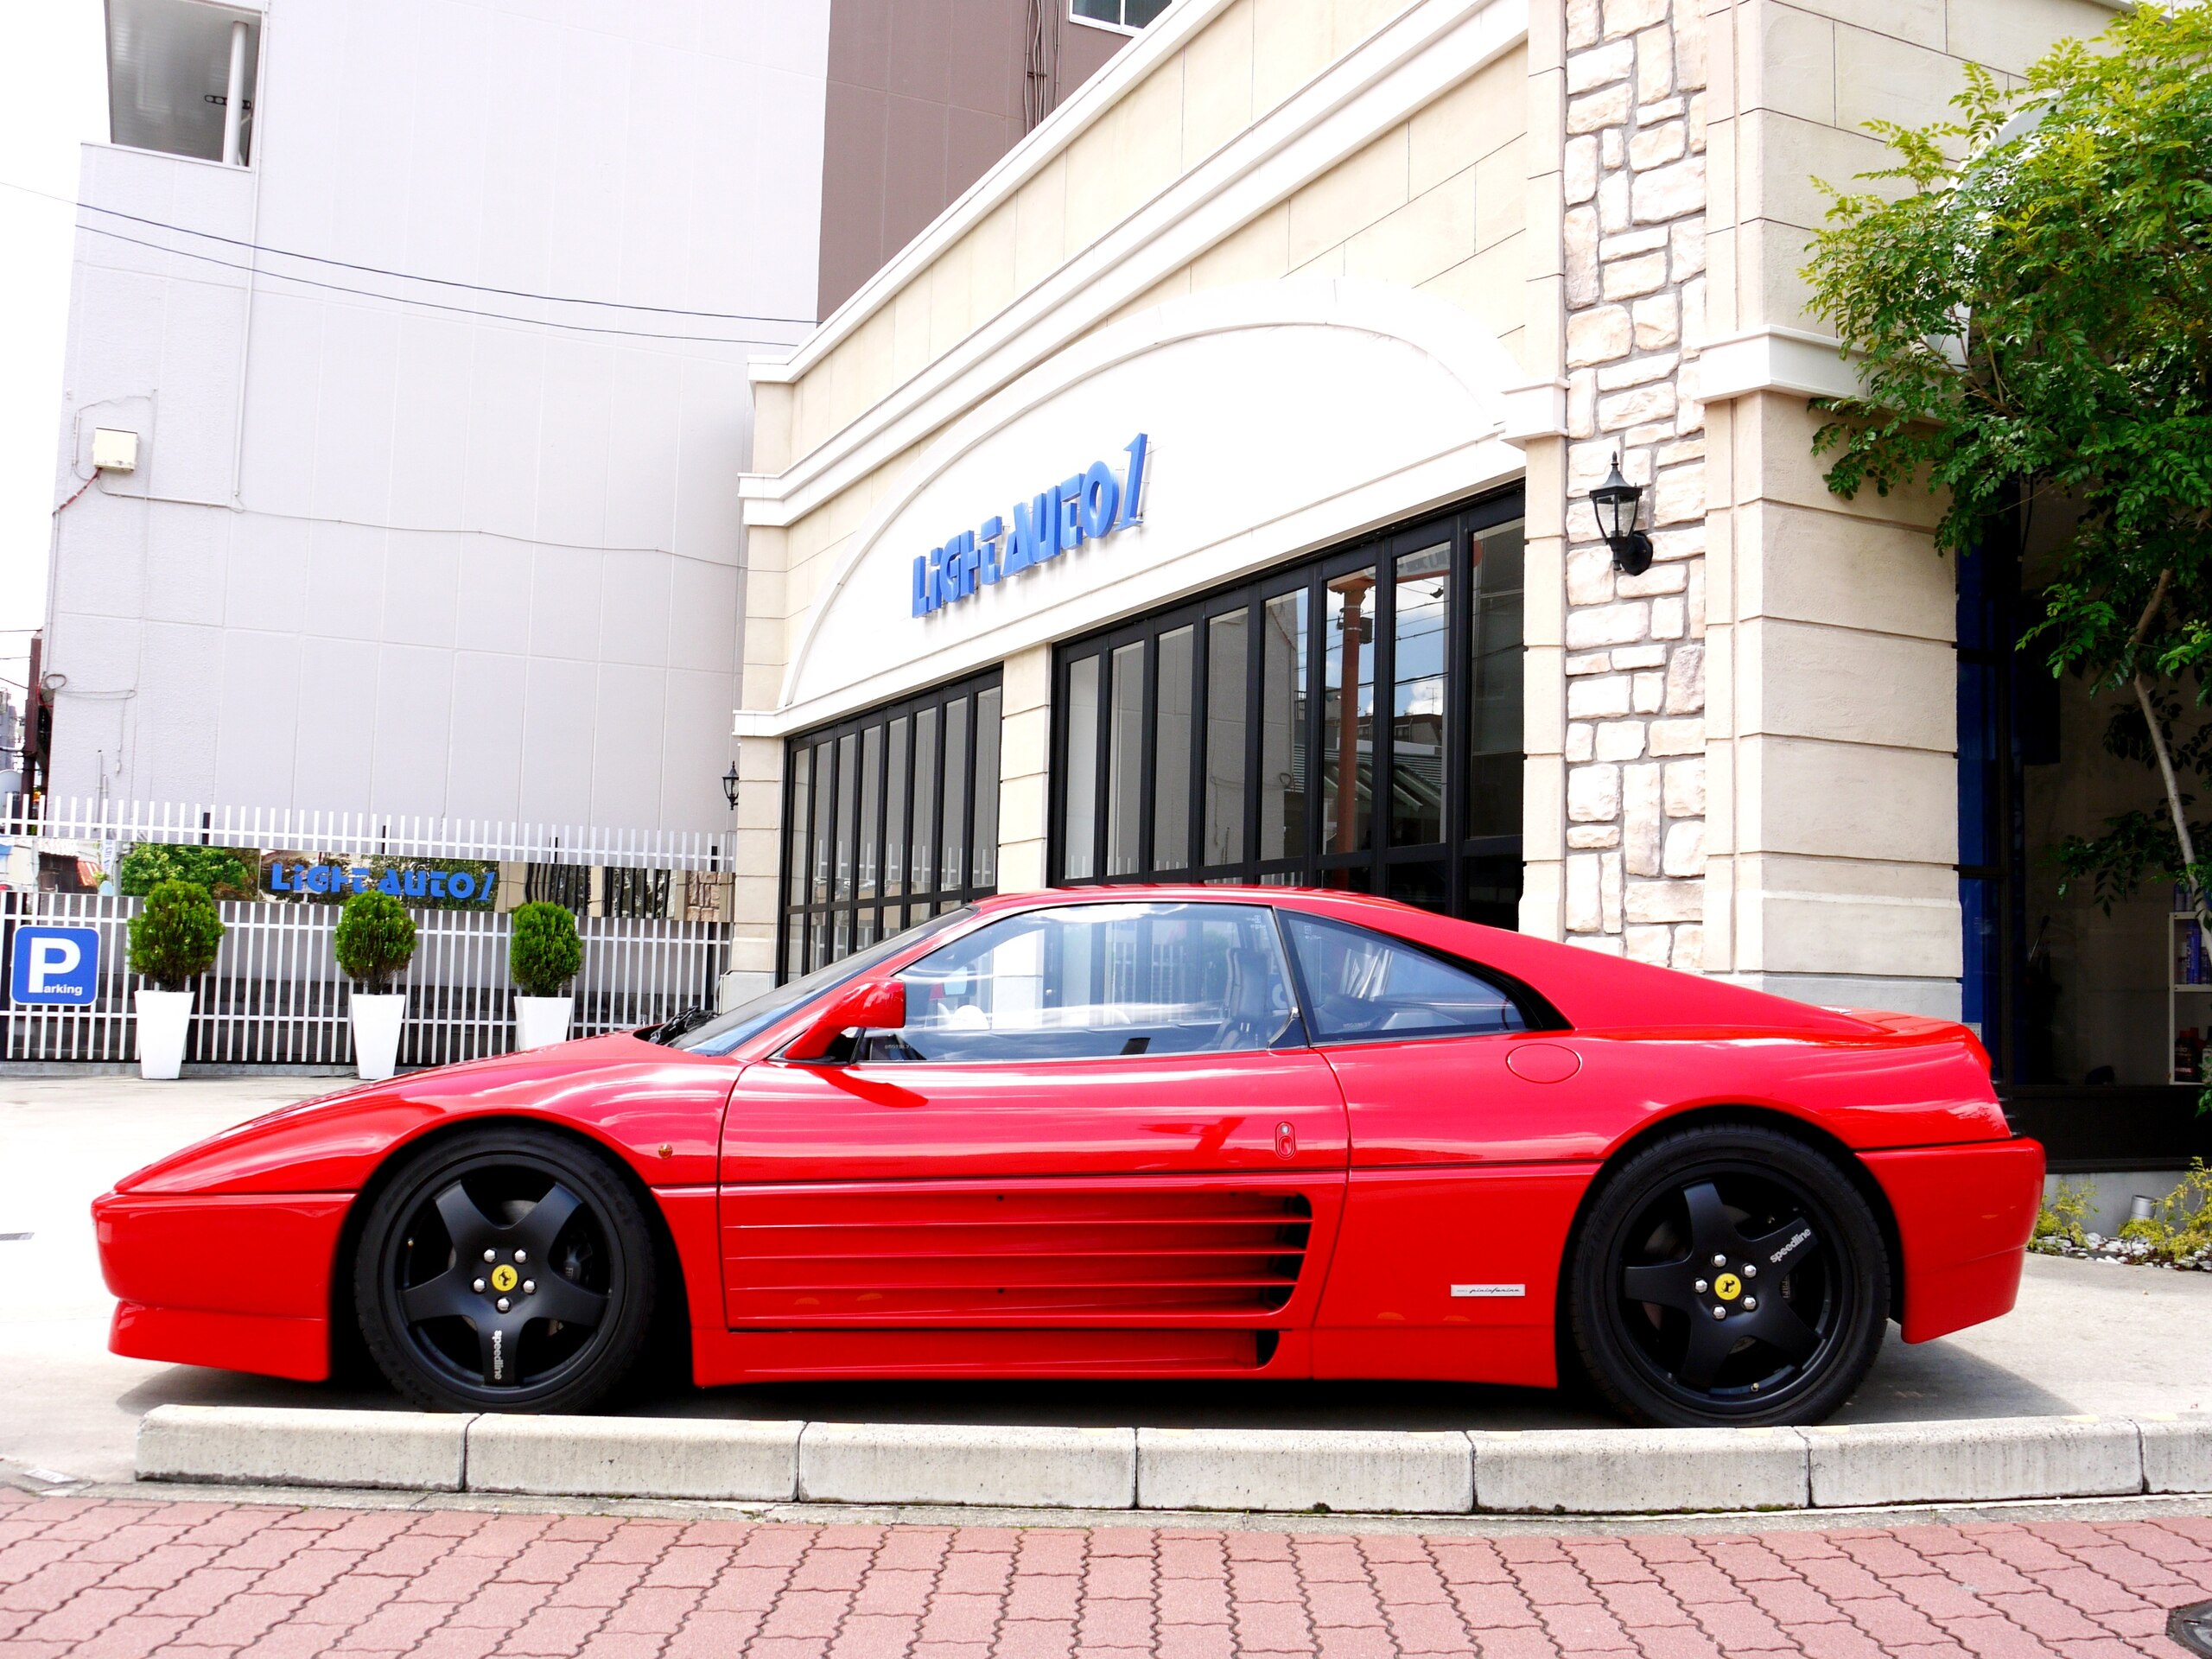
1092	980
1366	984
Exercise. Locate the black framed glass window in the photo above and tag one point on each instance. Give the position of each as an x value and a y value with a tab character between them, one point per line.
890	817
1352	721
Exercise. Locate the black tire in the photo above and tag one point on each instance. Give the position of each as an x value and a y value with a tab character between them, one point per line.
557	1222
1804	1290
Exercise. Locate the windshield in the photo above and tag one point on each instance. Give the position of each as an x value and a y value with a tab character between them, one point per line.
748	1019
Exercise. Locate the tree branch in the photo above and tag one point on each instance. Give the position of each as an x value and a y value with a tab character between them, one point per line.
2159	745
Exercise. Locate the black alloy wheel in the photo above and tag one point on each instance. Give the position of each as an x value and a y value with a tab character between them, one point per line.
1728	1275
504	1269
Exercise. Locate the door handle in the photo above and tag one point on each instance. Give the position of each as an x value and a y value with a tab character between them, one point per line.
1286	1141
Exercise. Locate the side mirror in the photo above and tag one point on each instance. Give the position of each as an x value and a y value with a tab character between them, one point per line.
872	1005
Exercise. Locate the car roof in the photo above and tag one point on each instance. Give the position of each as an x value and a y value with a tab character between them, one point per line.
1591	989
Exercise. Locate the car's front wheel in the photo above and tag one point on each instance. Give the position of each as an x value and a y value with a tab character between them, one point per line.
1728	1275
504	1269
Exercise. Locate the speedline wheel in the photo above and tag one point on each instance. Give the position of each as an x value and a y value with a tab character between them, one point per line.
504	1269
1728	1275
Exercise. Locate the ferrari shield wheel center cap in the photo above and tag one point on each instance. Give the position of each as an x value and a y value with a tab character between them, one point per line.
1728	1286
504	1277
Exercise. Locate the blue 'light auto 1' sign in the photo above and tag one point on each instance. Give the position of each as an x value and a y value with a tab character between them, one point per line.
1087	508
55	966
338	880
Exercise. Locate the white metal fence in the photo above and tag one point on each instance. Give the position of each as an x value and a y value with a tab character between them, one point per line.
276	995
363	834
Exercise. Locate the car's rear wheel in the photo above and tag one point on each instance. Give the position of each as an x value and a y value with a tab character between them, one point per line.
1728	1275
504	1269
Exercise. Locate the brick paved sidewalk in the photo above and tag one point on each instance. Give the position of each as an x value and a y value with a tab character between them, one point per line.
83	1577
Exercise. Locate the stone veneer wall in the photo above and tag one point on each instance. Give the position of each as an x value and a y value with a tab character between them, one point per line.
1633	183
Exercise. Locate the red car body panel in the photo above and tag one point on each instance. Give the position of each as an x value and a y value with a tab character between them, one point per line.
203	1281
1381	1209
1964	1216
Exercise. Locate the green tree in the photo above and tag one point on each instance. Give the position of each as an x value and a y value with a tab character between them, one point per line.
174	935
2028	293
543	952
375	938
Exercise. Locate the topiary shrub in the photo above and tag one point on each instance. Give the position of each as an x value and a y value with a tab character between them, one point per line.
543	953
376	938
175	937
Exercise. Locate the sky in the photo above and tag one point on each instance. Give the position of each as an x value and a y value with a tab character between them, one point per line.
57	100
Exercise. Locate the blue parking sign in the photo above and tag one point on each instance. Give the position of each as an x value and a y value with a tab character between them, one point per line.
55	965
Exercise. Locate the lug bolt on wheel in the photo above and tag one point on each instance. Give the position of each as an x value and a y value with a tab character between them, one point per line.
1719	1312
1750	1303
522	1256
480	1286
530	1286
1699	1287
503	1304
491	1255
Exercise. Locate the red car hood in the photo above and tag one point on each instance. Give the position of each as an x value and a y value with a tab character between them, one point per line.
384	1111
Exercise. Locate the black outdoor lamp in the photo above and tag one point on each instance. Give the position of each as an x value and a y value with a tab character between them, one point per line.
729	785
1615	501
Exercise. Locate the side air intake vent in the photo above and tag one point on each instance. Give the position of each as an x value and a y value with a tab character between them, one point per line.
984	1256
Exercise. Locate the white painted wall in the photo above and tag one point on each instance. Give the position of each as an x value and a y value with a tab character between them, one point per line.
379	557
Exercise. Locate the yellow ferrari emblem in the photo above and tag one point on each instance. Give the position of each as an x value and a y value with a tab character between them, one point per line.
503	1278
1728	1286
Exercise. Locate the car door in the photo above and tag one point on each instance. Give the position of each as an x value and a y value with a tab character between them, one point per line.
1099	1117
1467	1161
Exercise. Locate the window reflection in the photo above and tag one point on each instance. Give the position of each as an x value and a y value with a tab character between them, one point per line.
1284	764
1079	775
1123	801
1227	665
900	799
1171	773
1495	655
1348	713
1374	746
1417	702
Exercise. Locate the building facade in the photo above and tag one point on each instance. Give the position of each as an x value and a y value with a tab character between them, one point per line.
1205	495
425	329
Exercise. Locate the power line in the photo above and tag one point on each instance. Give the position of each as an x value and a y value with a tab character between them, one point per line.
432	305
402	276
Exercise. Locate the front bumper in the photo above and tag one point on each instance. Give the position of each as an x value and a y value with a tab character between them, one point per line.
1964	1216
236	1281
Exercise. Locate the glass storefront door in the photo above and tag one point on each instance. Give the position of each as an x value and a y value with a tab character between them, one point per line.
1352	721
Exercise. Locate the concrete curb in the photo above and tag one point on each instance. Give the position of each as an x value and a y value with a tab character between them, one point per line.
1352	1472
1540	1473
264	1446
634	1457
1007	1468
1653	1470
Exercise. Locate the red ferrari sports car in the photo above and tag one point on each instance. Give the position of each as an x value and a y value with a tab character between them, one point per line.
1157	1132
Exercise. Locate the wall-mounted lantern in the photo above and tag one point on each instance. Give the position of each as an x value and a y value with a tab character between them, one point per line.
1615	501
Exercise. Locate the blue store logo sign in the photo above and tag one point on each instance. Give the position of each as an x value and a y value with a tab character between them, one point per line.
1087	508
338	879
55	966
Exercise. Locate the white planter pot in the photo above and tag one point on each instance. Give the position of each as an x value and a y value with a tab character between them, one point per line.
542	1021
376	1034
163	1019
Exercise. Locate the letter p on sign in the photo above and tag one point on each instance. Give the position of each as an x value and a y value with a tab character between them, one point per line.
52	966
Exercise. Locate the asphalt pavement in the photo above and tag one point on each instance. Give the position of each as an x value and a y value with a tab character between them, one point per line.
2087	1337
